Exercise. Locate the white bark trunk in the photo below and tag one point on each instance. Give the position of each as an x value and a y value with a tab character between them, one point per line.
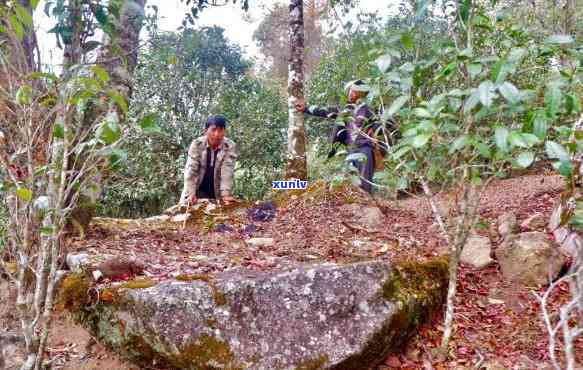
296	160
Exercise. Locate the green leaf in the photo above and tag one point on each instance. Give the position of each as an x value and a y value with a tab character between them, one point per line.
109	132
530	139
517	140
23	15
401	152
464	10
458	143
100	15
24	95
501	138
34	4
509	92
46	230
384	63
559	39
486	93
552	100
39	75
557	151
471	101
420	140
407	41
16	26
100	73
474	69
484	150
149	124
525	159
59	130
572	104
566	168
119	100
24	194
540	125
422	113
396	105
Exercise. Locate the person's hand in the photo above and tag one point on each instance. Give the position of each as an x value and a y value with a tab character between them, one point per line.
227	199
192	199
301	106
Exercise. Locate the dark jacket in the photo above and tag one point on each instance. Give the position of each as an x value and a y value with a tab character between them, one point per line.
358	118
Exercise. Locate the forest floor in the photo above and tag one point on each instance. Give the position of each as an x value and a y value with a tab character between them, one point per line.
497	324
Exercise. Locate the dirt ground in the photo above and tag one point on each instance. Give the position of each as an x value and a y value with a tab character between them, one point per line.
497	325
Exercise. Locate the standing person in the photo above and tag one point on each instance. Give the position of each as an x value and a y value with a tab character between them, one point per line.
358	132
210	166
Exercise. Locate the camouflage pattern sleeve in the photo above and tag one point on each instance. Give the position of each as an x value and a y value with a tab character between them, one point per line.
329	112
228	171
191	173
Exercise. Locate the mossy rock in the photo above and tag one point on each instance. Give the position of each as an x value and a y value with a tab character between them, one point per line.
333	316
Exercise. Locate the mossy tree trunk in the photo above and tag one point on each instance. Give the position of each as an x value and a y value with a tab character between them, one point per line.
296	167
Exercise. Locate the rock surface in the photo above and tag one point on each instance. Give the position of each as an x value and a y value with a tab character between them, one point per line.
530	259
318	317
476	252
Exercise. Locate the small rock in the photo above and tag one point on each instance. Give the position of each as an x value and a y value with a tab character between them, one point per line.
530	259
161	218
261	242
535	222
368	217
506	224
181	217
477	251
77	261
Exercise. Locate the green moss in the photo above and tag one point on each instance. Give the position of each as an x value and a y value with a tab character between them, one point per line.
73	294
417	289
218	296
139	284
207	353
194	277
314	364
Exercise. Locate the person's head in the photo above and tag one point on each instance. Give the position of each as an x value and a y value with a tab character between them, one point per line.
215	130
354	92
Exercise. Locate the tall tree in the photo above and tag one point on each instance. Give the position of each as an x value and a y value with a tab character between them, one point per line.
62	132
272	37
296	133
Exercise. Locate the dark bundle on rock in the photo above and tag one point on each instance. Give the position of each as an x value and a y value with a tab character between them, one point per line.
116	268
262	212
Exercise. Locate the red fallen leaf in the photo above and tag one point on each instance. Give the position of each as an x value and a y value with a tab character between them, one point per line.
393	361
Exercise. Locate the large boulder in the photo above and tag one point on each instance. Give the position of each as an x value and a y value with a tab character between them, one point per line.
530	258
318	317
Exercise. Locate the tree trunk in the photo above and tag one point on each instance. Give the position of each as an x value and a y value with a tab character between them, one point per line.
119	57
296	133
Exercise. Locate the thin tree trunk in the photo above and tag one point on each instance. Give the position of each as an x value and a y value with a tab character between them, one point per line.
296	161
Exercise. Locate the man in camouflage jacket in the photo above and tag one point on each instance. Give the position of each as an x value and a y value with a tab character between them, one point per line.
210	165
358	131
